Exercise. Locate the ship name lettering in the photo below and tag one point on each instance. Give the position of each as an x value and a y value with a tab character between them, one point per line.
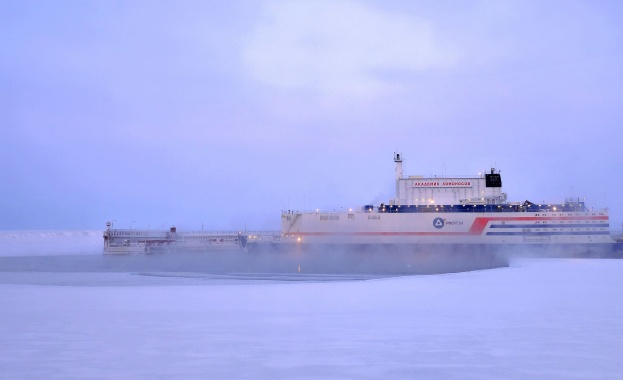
454	222
442	184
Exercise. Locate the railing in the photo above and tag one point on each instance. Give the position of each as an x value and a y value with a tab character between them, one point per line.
260	233
448	176
207	233
146	235
117	233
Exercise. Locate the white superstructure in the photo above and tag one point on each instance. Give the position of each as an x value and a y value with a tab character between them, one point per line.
419	190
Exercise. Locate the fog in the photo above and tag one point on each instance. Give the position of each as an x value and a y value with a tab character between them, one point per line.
51	242
82	251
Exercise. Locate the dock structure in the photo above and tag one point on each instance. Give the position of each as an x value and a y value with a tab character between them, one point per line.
138	241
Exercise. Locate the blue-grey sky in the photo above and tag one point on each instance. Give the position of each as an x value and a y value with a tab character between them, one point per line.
223	113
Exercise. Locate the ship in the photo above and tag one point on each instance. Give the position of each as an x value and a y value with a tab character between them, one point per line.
458	214
430	217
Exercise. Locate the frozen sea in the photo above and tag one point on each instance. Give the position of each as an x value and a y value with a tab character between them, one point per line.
537	318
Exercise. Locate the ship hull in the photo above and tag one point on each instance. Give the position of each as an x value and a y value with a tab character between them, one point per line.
540	234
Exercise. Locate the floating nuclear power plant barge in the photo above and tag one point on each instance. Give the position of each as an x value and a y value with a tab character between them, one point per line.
434	214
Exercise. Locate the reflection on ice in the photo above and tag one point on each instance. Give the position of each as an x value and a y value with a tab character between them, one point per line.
91	279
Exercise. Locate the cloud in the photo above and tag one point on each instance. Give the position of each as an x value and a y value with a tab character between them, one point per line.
335	49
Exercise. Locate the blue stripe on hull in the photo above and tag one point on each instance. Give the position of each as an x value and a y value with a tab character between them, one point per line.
591	225
548	233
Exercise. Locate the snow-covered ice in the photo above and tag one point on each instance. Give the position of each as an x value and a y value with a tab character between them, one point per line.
79	317
538	318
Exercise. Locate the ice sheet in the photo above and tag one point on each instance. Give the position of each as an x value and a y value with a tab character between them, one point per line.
539	318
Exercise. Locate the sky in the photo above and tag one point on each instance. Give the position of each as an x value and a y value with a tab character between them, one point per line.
219	115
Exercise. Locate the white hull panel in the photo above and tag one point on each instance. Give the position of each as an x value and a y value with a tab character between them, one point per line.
448	228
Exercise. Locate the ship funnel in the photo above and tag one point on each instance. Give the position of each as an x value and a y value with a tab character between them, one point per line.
398	161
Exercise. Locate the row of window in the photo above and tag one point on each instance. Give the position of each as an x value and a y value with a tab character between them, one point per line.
330	217
569	214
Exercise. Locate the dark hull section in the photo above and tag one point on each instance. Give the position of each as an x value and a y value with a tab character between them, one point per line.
422	258
381	259
603	250
549	249
306	260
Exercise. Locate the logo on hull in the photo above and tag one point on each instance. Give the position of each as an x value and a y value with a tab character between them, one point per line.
438	223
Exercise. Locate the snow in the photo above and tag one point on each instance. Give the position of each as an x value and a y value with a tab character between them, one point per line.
538	318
